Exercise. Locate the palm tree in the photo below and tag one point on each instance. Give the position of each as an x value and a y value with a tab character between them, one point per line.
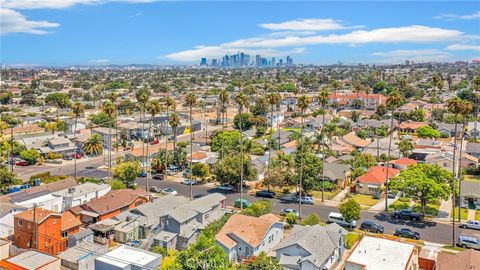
223	97
393	101
336	85
191	101
302	103
242	101
77	109
169	103
174	121
142	98
153	107
273	99
437	83
109	109
322	99
93	145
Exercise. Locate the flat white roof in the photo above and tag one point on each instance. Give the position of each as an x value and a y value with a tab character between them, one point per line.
381	254
125	255
31	259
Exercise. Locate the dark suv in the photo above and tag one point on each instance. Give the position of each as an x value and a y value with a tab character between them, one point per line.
407	233
265	193
370	226
407	214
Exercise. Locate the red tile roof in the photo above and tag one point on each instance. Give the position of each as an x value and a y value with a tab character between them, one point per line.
377	175
404	161
69	221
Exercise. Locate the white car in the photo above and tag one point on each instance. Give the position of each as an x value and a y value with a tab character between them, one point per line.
169	191
334	217
306	200
189	182
471	224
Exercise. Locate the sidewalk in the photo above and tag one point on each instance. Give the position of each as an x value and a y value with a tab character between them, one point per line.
380	206
339	197
444	211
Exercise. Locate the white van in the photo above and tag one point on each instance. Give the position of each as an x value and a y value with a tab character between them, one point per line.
334	217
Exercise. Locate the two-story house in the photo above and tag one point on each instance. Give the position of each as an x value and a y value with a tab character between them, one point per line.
59	145
312	247
183	224
244	236
81	194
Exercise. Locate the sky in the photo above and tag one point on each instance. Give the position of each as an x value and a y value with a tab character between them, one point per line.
101	32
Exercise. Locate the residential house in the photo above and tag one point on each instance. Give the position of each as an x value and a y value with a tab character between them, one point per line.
184	223
81	194
245	236
464	260
312	247
473	149
7	211
371	183
82	256
449	129
373	253
473	129
373	123
31	260
338	174
110	205
445	160
428	144
71	128
355	141
369	101
380	146
41	196
470	195
82	236
411	126
134	130
403	163
108	135
125	257
60	146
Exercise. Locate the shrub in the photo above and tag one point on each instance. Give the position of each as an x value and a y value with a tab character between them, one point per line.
311	220
351	239
292	219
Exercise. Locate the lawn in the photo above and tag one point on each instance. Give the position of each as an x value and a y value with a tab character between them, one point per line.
350	239
472	178
401	203
463	213
365	200
327	194
430	209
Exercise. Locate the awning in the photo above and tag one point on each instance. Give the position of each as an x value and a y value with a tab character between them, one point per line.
372	186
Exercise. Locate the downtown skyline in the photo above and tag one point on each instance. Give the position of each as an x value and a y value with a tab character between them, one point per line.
97	32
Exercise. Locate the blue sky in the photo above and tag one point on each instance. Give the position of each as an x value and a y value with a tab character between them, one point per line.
65	32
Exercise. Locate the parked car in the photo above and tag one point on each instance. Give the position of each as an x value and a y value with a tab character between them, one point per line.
471	224
240	202
370	226
169	191
154	142
407	233
155	189
286	211
334	217
21	163
226	188
407	214
189	182
468	242
131	185
142	174
265	193
67	157
305	200
199	195
77	156
158	176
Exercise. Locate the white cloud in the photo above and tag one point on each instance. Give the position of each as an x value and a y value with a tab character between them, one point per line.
219	51
14	22
58	4
399	56
406	34
134	15
100	61
463	47
452	17
307	25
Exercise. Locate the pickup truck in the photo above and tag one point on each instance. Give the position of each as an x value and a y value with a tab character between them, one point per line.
407	214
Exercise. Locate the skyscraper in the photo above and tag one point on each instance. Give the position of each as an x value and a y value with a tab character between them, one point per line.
273	62
258	60
203	62
289	61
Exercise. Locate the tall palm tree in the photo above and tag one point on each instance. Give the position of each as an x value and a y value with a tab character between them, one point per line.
302	103
223	97
467	109
393	102
174	121
273	100
77	109
322	99
153	107
109	109
142	97
242	100
191	101
169	103
93	145
336	85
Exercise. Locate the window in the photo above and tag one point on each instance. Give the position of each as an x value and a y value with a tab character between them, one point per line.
64	234
54	221
20	222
